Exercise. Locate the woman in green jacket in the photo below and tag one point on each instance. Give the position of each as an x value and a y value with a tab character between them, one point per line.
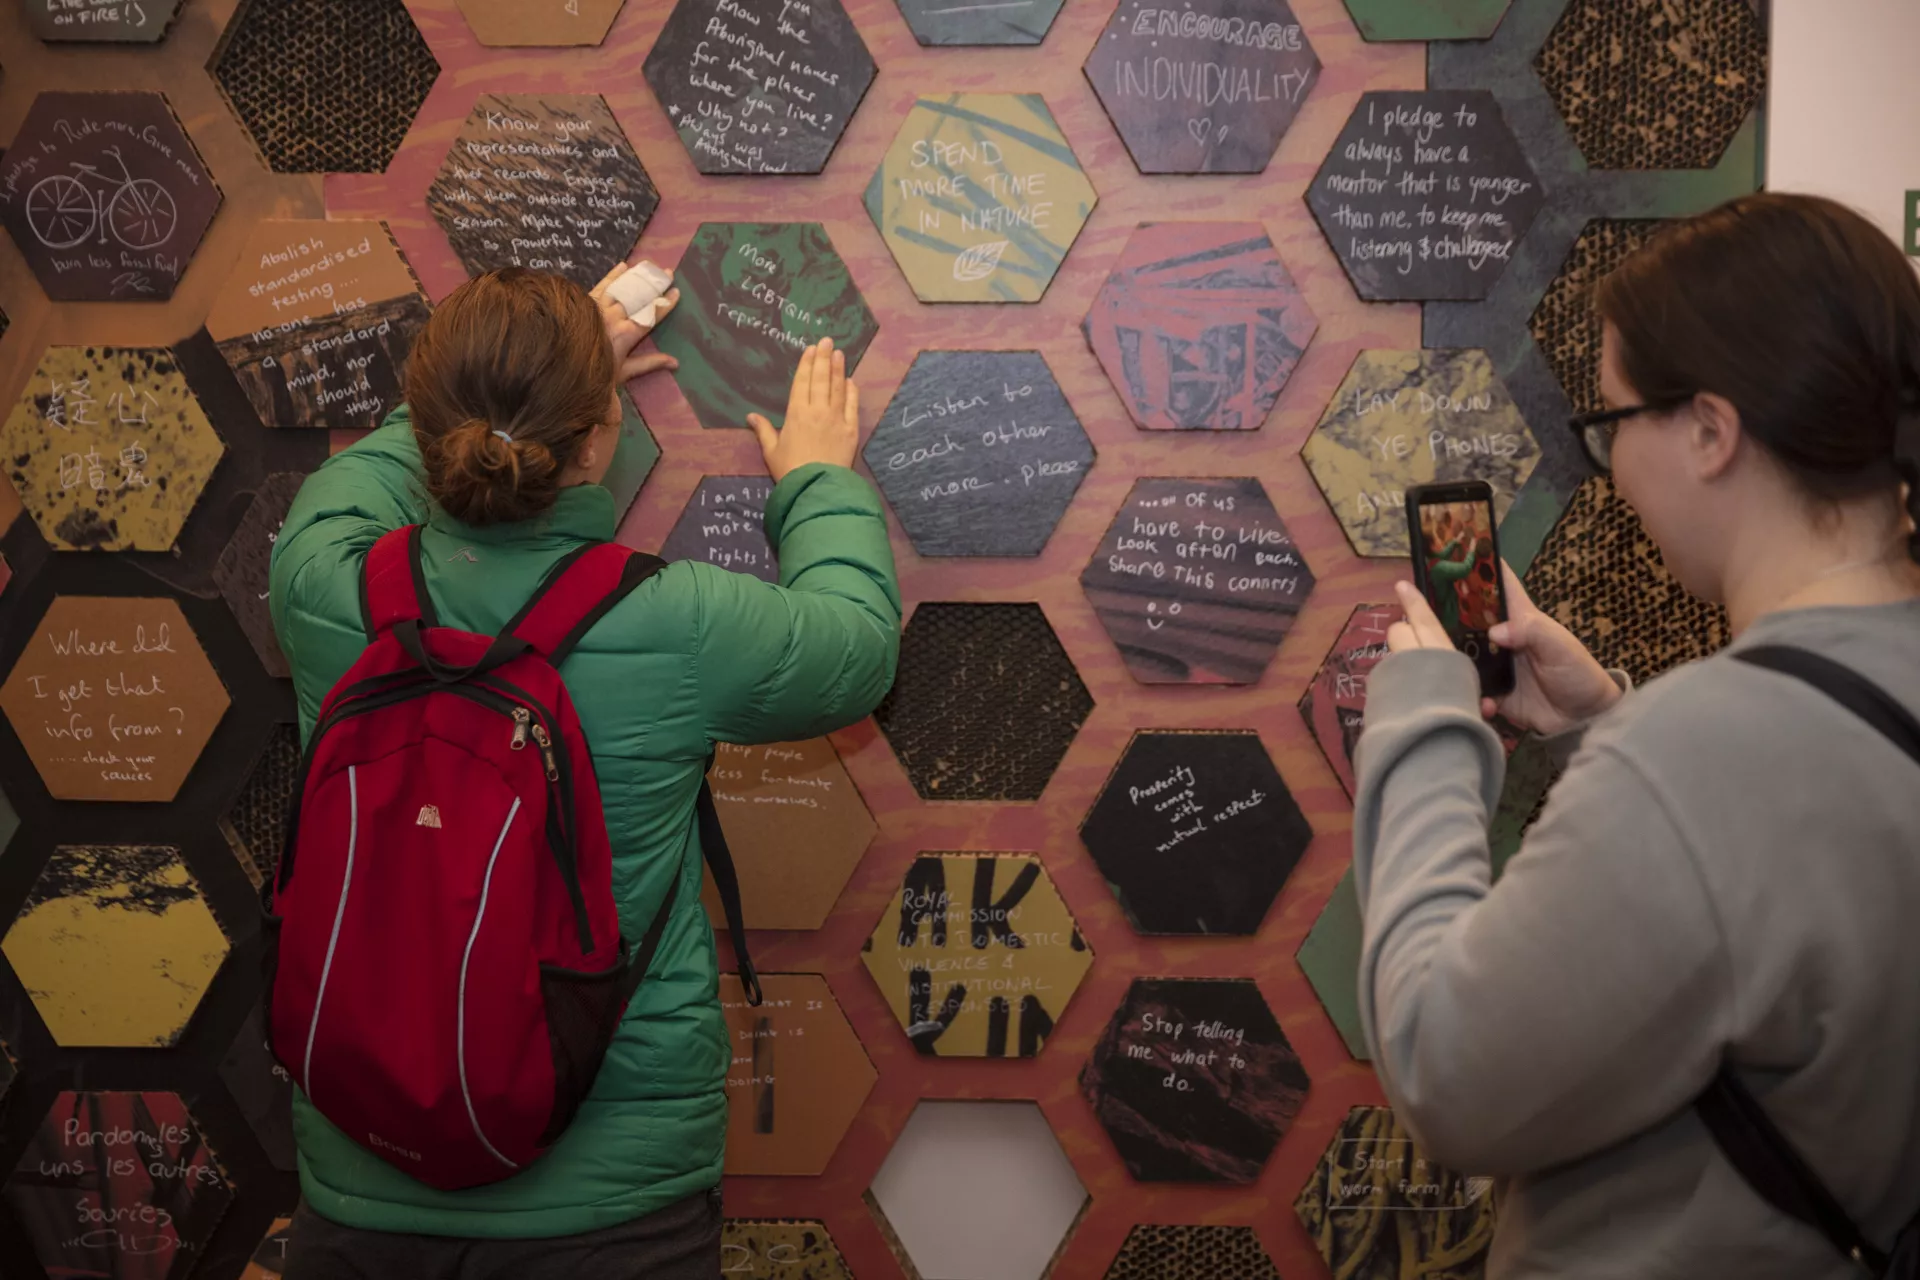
511	419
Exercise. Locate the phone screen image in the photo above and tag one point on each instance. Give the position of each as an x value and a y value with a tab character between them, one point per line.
1460	573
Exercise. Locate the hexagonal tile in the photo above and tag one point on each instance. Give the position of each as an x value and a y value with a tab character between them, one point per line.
1427	19
1330	958
985	704
1334	705
1192	1253
1213	795
113	698
796	826
633	457
1654	86
545	23
980	197
724	523
1402	418
361	71
255	824
241	572
109	448
1197	581
1009	945
263	1089
1532	770
755	89
317	320
1425	195
9	821
797	1075
115	945
269	1260
105	195
780	1249
546	181
8	1068
941	22
957	1165
119	1184
1199	326
1210	87
1194	1080
753	296
1377	1207
101	21
1565	324
979	453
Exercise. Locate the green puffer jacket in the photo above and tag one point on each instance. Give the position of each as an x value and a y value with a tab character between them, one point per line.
694	656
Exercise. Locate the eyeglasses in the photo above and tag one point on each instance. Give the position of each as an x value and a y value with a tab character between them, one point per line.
1597	430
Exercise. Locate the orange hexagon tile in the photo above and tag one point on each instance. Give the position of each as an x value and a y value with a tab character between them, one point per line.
113	698
547	23
977	955
269	1261
796	1078
115	945
796	826
109	449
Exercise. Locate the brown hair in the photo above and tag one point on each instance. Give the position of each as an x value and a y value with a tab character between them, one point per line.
514	351
1803	315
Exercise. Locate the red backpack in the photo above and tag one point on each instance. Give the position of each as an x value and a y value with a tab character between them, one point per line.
445	963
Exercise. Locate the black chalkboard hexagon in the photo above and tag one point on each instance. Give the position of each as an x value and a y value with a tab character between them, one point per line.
1426	195
1195	831
101	21
1210	87
759	86
979	453
263	1089
1194	1080
241	571
724	523
942	22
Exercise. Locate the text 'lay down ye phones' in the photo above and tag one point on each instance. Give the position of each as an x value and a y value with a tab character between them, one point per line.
1456	565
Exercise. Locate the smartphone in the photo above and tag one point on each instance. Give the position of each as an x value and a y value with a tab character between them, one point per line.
1456	565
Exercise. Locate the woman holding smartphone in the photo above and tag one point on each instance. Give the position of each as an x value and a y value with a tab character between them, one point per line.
1728	872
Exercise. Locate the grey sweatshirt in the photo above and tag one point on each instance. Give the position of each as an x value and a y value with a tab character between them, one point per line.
1729	867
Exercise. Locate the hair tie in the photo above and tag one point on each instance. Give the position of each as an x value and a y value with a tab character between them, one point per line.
503	435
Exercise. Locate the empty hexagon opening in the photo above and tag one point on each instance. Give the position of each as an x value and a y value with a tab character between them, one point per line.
796	826
1654	86
724	524
1194	1080
1197	581
977	955
101	21
1427	19
518	24
980	197
325	87
255	824
1565	324
241	572
1211	87
985	704
942	22
1192	1253
796	1078
780	1249
957	1165
1195	832
979	453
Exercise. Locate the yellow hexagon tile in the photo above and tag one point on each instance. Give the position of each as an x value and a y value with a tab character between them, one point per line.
109	449
115	945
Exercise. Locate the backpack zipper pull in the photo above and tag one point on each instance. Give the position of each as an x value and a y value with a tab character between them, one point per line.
546	752
521	719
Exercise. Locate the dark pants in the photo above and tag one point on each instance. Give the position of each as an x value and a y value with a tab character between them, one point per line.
679	1242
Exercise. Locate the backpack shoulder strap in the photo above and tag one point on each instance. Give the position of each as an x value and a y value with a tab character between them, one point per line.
1845	686
577	592
393	586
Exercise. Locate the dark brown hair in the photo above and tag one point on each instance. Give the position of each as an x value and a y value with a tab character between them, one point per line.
514	351
1803	315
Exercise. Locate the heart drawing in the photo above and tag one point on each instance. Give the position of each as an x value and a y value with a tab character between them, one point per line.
1202	131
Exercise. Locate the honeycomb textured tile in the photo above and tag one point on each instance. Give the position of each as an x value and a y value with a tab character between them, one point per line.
1192	1253
1427	19
1378	1209
780	1249
1334	705
942	22
540	22
979	453
1402	418
241	572
958	1165
115	945
797	1075
796	825
113	698
1565	325
753	296
1197	581
977	955
985	703
1426	195
735	115
105	196
1195	832
724	524
1194	1080
269	1260
131	1167
255	824
980	197
1210	87
634	456
316	322
325	86
1601	576
100	21
1199	326
543	181
263	1089
1654	85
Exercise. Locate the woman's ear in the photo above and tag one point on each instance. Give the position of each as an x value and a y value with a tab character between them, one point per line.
1713	435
